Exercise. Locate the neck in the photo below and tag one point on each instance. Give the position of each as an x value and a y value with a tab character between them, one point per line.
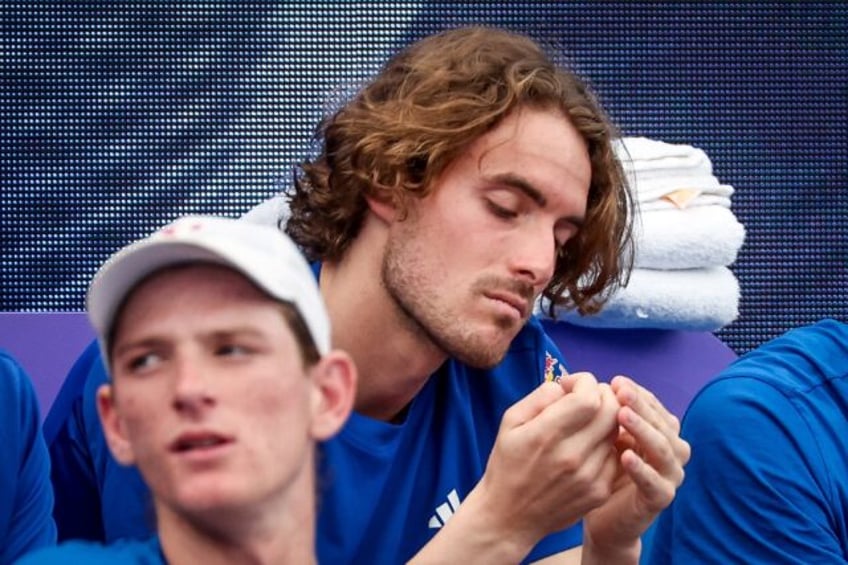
281	531
393	357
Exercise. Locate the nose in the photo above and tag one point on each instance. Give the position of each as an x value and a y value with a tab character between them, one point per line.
534	257
192	393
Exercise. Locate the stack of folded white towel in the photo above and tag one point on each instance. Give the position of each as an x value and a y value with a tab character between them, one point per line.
685	238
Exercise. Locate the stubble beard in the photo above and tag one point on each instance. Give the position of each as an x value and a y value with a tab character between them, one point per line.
413	288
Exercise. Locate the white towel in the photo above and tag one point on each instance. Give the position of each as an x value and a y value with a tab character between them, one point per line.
694	300
272	212
691	238
640	154
646	189
667	175
697	202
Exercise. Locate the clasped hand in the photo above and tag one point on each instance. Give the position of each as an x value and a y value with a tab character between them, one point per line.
610	454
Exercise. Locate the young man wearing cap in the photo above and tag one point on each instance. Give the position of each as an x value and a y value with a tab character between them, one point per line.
222	381
469	177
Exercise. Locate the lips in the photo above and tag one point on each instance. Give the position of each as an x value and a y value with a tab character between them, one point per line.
198	441
514	300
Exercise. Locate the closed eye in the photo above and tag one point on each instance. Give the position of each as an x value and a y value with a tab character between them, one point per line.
500	211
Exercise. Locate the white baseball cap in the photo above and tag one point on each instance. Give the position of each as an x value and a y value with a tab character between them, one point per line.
262	253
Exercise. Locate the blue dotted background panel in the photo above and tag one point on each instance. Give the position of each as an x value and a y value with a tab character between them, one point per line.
119	116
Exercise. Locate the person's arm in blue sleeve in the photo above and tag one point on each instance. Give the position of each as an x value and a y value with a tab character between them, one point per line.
96	498
26	498
756	488
75	484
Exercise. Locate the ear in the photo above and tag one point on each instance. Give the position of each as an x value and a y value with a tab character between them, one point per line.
334	388
113	427
386	210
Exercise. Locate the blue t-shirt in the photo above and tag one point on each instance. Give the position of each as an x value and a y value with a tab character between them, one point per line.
768	478
26	498
133	552
386	489
96	497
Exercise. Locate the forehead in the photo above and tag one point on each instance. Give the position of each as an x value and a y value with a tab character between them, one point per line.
540	146
194	286
542	132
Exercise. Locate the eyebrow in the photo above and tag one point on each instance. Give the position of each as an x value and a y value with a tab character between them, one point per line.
526	187
235	333
144	343
214	335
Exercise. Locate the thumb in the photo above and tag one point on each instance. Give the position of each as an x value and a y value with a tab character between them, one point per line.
574	382
532	405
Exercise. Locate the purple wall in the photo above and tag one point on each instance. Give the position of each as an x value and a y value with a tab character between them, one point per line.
46	345
672	364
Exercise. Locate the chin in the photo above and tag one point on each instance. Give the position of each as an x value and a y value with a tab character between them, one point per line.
482	353
484	360
201	498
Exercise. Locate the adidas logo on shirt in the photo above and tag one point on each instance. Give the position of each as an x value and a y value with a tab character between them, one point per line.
445	511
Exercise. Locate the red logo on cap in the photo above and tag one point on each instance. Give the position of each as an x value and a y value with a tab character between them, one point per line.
174	229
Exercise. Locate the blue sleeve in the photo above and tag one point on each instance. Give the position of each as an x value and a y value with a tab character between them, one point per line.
96	498
26	498
556	543
122	552
755	487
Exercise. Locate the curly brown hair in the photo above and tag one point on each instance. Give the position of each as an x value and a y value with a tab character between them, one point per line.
422	111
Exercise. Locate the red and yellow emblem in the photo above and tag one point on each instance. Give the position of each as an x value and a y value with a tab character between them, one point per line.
554	369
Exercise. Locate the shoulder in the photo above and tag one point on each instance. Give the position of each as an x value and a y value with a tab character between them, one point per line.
77	393
772	422
788	394
800	360
124	551
26	499
14	382
801	357
18	401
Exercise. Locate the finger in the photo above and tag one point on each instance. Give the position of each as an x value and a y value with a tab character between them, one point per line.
610	403
604	427
599	469
666	455
650	399
656	491
531	405
632	391
608	473
582	379
587	415
644	402
624	440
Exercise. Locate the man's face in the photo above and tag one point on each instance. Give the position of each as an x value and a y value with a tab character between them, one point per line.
467	264
210	398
